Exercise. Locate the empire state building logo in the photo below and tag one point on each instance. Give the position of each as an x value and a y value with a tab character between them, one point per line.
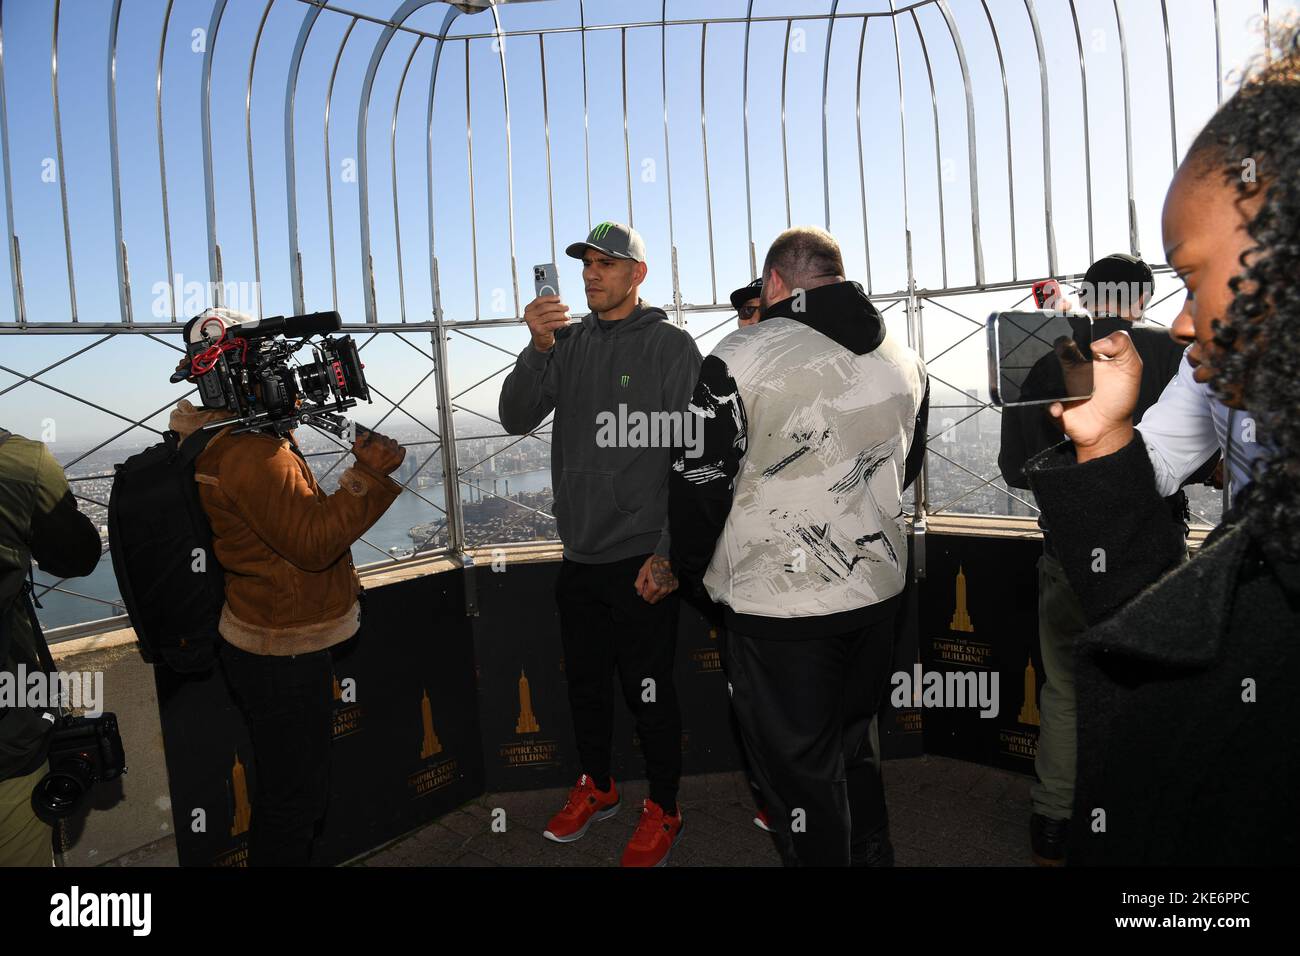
239	798
1029	712
527	723
961	617
431	745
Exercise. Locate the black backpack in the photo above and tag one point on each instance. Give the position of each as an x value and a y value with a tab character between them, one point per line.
161	544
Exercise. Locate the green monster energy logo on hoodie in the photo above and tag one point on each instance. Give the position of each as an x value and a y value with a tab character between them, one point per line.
600	231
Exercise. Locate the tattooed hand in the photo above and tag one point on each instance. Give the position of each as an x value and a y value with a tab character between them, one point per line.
656	579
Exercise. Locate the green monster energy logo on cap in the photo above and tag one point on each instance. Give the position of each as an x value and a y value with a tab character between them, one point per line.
600	231
625	379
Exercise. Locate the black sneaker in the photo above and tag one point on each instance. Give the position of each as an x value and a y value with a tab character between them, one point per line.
1047	840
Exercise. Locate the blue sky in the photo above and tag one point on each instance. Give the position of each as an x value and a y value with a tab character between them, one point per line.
129	373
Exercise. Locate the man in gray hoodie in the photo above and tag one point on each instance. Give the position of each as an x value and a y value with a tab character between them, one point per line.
618	383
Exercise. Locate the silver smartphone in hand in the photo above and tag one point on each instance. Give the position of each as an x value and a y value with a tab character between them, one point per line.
546	279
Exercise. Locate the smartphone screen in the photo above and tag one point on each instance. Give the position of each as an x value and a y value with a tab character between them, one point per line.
1039	357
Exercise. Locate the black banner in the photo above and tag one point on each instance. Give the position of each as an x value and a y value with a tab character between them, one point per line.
979	650
527	730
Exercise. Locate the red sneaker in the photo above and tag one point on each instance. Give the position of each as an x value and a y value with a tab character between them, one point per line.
761	821
585	804
656	832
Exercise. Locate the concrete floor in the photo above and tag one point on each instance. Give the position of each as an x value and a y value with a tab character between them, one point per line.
942	813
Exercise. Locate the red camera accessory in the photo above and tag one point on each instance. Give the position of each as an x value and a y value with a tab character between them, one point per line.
1046	293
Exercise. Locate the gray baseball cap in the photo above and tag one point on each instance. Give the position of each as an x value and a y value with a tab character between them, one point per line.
613	239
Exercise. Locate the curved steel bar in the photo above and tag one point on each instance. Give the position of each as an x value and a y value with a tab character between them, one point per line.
826	75
546	130
902	134
452	13
744	100
1087	130
704	144
627	148
1169	67
392	153
162	161
309	19
1047	140
586	120
1128	133
1218	68
402	14
1006	112
914	335
115	166
938	160
862	168
15	277
976	243
58	153
329	172
469	163
668	156
785	157
510	172
209	187
248	139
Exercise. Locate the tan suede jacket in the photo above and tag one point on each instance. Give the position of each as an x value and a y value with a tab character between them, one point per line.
291	587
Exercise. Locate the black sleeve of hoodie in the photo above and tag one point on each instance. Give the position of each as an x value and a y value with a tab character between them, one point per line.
529	392
64	541
1027	429
1112	531
916	454
702	481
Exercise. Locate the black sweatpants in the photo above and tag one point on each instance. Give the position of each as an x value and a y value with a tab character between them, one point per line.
288	704
607	627
807	715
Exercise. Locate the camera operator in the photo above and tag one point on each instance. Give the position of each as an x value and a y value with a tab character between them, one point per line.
38	519
291	595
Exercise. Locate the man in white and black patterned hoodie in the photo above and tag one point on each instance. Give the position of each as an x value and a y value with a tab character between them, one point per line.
813	425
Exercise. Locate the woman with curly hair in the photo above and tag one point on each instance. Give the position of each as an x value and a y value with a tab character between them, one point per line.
1189	687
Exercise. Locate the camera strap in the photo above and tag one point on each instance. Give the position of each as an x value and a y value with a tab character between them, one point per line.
38	636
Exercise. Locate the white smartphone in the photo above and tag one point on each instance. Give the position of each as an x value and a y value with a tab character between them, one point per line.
546	279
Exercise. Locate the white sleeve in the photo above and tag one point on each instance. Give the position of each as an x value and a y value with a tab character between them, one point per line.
1178	431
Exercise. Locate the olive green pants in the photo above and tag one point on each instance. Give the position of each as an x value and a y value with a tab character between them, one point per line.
1060	623
24	839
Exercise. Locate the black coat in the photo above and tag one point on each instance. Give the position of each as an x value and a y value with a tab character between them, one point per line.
1186	767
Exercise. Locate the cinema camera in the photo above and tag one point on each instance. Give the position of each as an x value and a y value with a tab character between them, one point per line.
247	366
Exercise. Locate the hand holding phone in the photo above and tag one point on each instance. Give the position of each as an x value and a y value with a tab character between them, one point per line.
547	314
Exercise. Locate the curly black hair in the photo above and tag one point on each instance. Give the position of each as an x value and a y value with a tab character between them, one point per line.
1259	342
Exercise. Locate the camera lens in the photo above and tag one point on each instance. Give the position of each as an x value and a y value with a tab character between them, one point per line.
62	789
315	381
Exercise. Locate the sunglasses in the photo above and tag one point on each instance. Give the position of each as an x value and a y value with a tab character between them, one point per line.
747	312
